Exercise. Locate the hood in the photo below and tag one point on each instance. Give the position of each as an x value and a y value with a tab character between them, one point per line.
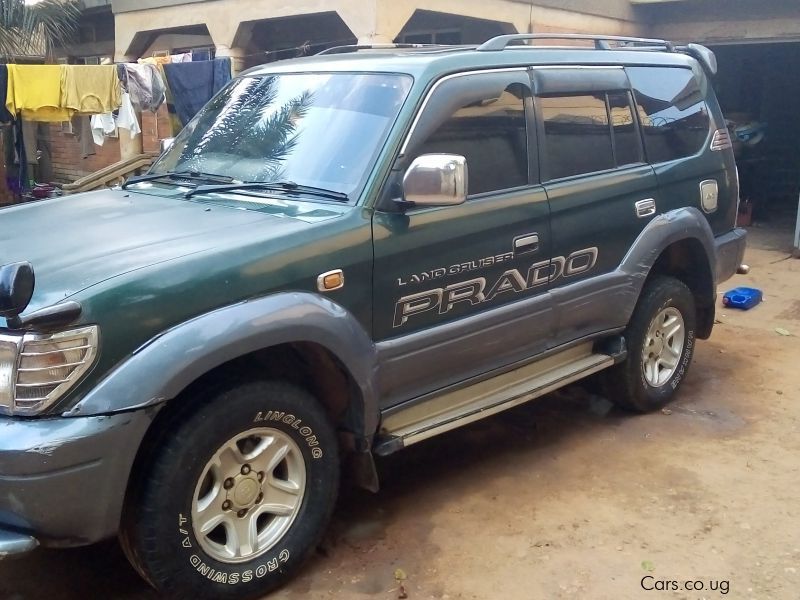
78	241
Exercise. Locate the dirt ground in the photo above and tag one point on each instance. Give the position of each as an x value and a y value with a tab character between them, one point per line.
566	497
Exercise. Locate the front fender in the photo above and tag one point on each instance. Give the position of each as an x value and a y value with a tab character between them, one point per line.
167	364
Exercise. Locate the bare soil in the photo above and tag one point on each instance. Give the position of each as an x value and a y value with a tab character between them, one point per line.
568	497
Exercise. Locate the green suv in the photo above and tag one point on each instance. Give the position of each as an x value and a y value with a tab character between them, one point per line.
341	256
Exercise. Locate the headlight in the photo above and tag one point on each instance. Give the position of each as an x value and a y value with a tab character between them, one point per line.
37	369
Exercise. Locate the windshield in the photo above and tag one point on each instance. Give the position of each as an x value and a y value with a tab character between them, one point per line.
313	129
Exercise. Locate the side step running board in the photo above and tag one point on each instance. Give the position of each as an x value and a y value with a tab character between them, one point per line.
451	410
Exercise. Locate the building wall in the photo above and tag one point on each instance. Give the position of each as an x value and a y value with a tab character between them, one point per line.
377	21
723	21
69	165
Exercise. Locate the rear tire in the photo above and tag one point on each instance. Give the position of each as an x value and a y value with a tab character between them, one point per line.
237	497
660	340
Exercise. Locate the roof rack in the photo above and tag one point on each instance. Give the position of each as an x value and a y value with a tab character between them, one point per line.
357	47
600	41
703	55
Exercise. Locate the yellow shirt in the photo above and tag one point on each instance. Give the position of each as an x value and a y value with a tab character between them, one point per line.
35	91
90	89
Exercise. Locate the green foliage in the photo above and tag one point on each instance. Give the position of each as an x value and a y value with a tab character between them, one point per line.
35	29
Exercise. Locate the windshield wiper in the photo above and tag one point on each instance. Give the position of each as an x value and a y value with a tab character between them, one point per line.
176	175
275	186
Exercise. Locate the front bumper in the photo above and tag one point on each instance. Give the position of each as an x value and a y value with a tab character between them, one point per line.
63	480
730	249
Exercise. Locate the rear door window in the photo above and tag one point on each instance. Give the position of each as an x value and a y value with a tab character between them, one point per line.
588	133
577	137
627	145
672	111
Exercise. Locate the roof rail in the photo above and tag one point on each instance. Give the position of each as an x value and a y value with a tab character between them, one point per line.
357	47
502	41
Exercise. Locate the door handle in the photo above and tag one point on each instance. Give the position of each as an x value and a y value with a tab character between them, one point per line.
645	208
526	243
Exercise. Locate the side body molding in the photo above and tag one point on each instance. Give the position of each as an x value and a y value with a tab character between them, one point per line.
161	369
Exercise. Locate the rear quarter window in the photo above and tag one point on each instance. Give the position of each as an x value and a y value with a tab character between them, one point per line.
672	112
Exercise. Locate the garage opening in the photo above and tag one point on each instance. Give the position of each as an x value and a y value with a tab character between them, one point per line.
280	38
429	27
173	40
758	86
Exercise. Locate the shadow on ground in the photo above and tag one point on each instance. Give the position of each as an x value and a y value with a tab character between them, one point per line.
436	468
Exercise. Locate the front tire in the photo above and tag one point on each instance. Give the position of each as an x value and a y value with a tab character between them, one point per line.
660	339
238	495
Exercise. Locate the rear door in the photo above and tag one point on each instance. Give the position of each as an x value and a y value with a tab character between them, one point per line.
601	191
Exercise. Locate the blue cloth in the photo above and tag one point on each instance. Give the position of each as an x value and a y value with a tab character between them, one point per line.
5	116
193	84
21	182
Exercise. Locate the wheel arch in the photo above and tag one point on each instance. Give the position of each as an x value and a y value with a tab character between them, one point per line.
680	244
299	331
686	261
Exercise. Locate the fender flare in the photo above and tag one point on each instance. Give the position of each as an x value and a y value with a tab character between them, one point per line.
161	369
660	233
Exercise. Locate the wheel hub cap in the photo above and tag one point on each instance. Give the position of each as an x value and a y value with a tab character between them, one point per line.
246	492
663	346
248	495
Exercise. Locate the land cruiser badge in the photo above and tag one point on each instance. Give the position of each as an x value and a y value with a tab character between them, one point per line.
478	290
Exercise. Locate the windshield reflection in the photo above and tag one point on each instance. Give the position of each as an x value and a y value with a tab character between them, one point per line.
315	129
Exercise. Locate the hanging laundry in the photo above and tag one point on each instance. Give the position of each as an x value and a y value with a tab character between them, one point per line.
9	157
102	126
175	124
181	58
127	117
156	60
5	116
90	89
194	84
204	54
82	127
36	141
145	84
35	91
30	139
21	181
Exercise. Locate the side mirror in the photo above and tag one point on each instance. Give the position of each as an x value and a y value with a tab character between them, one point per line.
16	288
166	144
436	180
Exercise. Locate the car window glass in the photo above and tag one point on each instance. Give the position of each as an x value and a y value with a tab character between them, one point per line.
577	135
627	145
491	134
316	129
671	110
